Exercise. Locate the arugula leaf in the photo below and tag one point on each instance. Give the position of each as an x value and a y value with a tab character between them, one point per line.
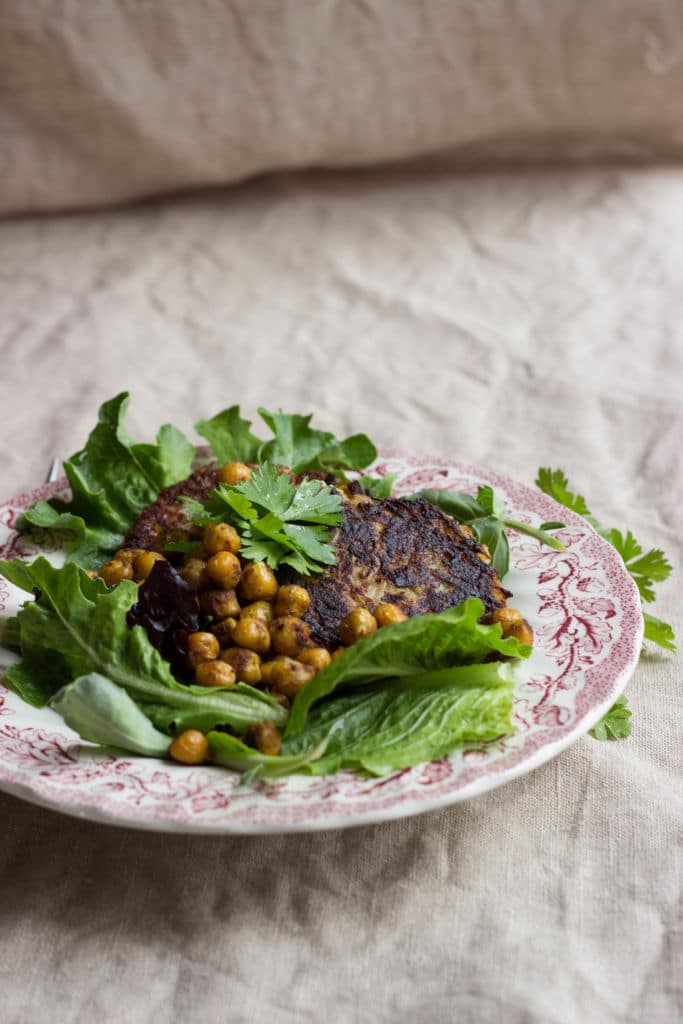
424	642
378	486
616	724
230	436
485	516
101	712
297	445
280	523
77	626
230	752
112	480
396	724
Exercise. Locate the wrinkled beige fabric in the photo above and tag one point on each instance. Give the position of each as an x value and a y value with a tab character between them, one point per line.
507	321
115	99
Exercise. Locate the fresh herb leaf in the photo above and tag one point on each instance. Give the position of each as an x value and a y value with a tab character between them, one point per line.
112	480
616	724
400	723
102	712
554	483
646	568
378	486
230	436
423	643
659	632
77	626
280	523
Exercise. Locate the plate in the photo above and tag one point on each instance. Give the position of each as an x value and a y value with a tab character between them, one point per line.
581	602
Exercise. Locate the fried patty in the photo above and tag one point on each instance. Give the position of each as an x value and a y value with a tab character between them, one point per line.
401	552
408	553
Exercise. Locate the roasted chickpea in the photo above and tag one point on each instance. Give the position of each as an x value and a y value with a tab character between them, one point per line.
265	736
258	583
114	571
214	673
191	747
288	676
221	537
224	569
513	623
262	610
357	624
128	554
219	604
194	572
201	647
292	600
144	562
268	670
233	472
289	635
251	633
387	614
245	664
223	630
317	657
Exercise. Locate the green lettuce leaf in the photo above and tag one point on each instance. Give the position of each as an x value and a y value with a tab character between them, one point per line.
230	436
398	723
230	752
378	486
297	445
101	712
112	480
422	643
78	626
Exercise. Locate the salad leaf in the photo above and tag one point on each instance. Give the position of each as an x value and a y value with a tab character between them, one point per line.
299	447
101	712
280	523
112	480
395	724
175	720
378	486
230	752
616	724
77	626
424	642
646	568
486	517
230	436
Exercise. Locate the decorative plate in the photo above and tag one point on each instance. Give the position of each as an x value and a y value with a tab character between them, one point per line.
588	626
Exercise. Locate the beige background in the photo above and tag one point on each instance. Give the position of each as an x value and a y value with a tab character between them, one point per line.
507	320
107	100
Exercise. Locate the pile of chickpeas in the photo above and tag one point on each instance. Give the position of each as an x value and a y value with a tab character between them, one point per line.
255	632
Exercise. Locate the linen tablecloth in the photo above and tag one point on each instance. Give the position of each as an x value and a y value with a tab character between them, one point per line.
506	321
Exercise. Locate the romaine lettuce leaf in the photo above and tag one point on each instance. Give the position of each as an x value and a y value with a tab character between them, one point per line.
112	480
400	723
101	712
452	637
230	436
78	626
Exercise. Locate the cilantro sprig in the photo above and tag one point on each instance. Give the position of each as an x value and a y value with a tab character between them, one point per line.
280	523
646	568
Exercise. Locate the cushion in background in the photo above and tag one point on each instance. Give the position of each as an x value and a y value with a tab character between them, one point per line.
117	99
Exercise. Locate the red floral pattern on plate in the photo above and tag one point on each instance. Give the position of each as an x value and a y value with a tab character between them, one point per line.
587	620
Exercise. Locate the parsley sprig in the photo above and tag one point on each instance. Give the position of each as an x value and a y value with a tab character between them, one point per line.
280	523
646	568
